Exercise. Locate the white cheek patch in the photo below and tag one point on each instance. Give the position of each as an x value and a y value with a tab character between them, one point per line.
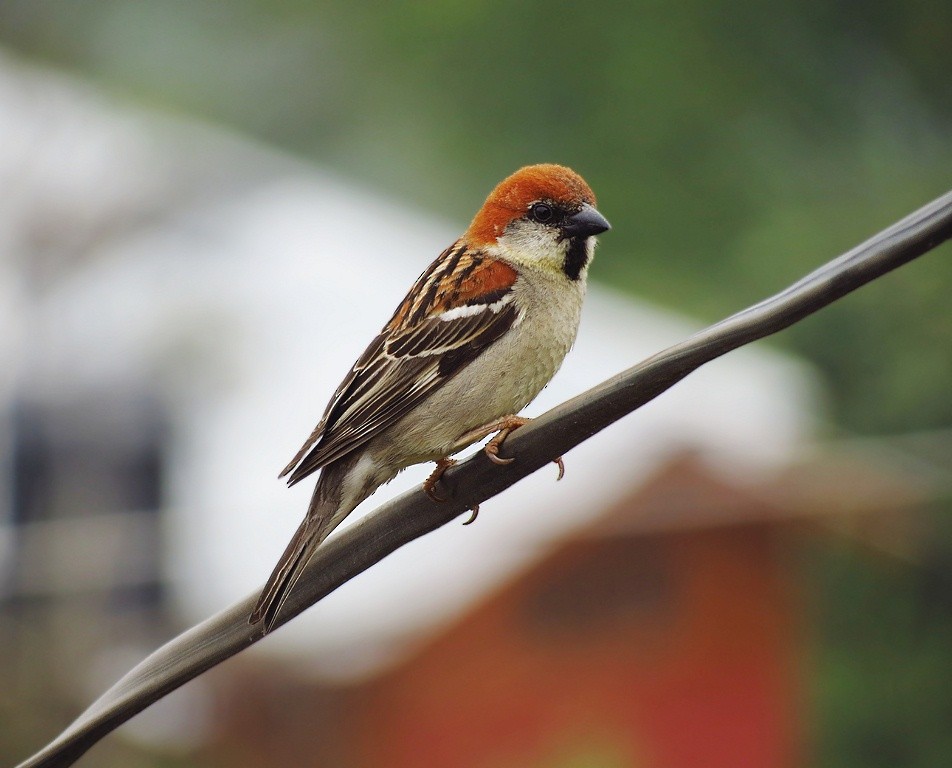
533	243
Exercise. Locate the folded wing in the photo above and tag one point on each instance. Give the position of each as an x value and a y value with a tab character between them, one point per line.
458	307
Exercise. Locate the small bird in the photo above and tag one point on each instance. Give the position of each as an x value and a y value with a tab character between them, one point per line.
478	336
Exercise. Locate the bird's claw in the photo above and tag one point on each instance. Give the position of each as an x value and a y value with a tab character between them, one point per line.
430	483
506	427
503	427
492	454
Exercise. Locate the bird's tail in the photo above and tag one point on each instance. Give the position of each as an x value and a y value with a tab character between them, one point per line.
323	515
287	572
330	504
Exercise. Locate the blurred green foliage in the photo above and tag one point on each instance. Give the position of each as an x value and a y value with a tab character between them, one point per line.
733	144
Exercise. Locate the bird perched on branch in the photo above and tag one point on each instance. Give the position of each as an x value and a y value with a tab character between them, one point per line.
478	336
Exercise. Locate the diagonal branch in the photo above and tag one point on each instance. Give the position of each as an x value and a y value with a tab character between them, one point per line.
552	434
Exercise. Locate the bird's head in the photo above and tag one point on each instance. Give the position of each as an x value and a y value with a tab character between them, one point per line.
541	217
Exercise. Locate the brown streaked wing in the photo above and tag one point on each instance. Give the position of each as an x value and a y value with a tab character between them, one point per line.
395	377
371	353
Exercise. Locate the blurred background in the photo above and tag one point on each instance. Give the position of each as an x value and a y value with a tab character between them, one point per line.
209	208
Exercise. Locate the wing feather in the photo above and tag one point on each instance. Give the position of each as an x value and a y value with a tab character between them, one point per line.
405	363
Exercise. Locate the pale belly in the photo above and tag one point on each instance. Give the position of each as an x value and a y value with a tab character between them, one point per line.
502	381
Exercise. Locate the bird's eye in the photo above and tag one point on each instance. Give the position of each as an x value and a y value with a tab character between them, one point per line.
542	212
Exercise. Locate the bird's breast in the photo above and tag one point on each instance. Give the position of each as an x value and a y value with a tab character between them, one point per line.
505	377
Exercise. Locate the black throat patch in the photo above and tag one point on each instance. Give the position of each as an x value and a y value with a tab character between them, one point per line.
576	258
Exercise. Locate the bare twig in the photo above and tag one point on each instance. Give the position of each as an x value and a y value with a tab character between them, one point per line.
556	432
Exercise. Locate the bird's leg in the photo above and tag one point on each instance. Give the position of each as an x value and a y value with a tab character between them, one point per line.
441	466
503	427
428	485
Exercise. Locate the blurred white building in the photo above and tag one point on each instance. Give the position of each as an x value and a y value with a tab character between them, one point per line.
177	304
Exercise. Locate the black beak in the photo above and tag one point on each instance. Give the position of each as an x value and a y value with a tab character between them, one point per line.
585	223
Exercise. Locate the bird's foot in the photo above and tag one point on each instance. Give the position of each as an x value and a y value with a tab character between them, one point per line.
441	466
503	427
430	483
